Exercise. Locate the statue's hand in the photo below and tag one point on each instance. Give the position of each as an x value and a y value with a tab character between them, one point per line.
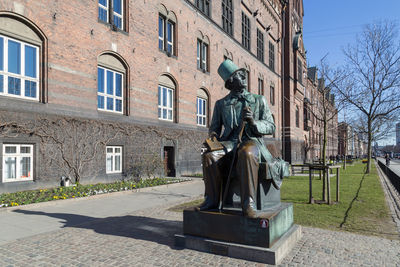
248	115
213	136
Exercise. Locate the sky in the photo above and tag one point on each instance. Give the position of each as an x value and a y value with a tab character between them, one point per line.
330	25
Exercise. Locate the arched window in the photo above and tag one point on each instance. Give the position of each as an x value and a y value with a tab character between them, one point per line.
203	44
22	59
167	26
297	117
112	83
202	102
166	98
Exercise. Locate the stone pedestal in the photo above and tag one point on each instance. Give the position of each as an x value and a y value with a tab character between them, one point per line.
265	239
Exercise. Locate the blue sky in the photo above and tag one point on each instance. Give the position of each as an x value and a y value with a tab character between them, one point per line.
329	25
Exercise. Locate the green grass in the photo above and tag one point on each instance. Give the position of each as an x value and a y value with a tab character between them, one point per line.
362	207
42	195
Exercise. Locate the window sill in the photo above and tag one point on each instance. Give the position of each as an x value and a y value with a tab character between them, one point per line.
168	54
102	111
203	71
111	27
17	181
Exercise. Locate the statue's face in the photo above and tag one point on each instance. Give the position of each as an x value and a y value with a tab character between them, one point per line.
239	82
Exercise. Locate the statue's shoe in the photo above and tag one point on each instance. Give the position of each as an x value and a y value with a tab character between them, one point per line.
207	205
250	208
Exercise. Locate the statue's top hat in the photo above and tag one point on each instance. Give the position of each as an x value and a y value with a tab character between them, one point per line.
227	69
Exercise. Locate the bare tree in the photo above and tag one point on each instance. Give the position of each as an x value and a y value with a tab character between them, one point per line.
372	77
325	109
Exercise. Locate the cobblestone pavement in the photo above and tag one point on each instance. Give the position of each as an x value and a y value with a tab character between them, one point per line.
145	238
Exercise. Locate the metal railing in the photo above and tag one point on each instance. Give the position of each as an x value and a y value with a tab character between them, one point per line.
393	177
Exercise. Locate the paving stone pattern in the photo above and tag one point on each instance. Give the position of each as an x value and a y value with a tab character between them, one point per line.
145	238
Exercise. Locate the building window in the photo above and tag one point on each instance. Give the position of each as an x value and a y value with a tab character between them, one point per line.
17	163
245	31
272	95
166	31
297	117
201	111
113	159
260	86
271	56
19	69
202	55
165	103
227	16
109	90
260	45
299	71
204	6
116	10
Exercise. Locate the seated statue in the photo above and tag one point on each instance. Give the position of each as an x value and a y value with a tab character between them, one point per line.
239	122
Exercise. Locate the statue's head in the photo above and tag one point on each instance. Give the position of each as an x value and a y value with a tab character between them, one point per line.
233	76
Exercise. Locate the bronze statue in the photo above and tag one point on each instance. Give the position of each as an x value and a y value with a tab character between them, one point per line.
239	122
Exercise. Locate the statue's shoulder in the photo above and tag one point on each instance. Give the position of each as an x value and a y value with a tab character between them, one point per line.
260	98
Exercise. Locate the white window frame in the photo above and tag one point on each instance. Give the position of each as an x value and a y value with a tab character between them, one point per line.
170	103
172	36
18	155
202	53
161	38
22	75
121	16
113	156
105	8
201	118
114	96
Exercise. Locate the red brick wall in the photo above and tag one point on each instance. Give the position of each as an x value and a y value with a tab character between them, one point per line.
76	39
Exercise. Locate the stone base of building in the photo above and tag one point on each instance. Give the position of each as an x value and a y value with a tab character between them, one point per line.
267	238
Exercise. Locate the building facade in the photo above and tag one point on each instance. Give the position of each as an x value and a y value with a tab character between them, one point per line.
94	89
294	80
398	134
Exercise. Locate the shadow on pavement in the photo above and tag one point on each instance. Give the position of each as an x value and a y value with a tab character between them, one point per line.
137	227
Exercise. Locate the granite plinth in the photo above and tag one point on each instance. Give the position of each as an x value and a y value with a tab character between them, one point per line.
232	226
273	255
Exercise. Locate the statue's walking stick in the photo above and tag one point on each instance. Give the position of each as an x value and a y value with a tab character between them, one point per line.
243	124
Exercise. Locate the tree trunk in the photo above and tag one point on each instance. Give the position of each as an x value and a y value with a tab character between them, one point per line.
345	152
369	146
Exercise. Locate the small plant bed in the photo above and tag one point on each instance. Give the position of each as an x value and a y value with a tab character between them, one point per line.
76	191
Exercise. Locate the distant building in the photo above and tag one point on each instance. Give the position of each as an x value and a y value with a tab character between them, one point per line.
398	133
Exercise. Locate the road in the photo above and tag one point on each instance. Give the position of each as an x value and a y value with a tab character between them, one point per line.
394	165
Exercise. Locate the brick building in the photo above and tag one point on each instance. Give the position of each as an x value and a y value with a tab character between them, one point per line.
91	88
294	79
319	103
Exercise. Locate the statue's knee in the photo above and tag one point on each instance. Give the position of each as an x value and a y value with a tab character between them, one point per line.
248	151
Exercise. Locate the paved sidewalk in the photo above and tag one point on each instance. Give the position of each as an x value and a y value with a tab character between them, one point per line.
134	236
24	221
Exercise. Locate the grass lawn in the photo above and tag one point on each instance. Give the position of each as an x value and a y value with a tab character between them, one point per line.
362	208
